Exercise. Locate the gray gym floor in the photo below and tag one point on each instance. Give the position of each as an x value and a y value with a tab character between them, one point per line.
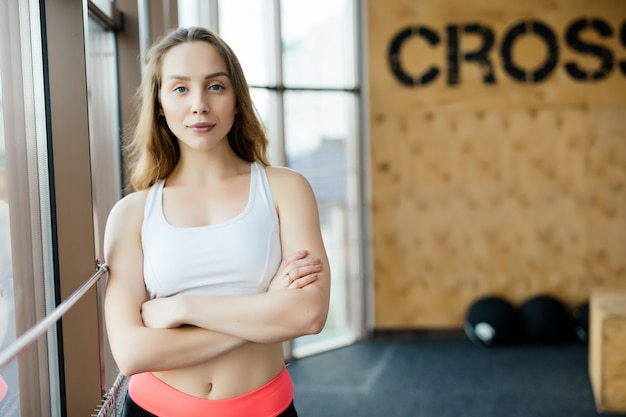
444	377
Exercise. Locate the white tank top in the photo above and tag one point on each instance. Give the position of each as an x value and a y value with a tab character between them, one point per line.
236	257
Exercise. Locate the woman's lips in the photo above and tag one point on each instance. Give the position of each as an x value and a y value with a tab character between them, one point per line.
201	127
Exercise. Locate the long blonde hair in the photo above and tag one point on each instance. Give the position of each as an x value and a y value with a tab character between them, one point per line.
153	149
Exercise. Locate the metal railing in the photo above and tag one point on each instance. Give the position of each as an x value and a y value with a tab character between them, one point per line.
31	335
109	404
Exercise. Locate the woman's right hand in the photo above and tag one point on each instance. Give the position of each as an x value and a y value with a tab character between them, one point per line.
297	271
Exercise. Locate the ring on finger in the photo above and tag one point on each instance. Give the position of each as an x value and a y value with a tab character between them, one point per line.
288	277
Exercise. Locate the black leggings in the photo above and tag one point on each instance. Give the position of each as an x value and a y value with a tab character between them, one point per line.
133	410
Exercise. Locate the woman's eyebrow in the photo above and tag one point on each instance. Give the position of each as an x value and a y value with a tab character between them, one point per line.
208	77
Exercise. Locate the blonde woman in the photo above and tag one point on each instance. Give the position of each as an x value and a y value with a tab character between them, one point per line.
216	258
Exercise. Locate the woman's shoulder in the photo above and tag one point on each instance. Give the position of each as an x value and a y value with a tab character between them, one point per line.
284	175
130	206
286	182
133	200
124	221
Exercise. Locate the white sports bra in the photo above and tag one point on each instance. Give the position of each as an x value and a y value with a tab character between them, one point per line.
236	257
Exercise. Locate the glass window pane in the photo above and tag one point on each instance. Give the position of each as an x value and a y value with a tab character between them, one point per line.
9	383
104	128
266	104
319	153
24	184
318	43
103	125
316	119
194	13
313	132
246	25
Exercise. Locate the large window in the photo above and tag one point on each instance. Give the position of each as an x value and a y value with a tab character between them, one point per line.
27	290
59	176
300	60
9	379
105	148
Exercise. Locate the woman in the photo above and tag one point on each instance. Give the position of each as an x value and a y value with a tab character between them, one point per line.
200	297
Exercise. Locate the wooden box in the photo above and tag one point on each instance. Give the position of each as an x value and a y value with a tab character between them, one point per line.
607	350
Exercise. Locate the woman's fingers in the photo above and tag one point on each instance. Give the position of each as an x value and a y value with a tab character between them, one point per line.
282	279
297	271
292	260
302	274
303	281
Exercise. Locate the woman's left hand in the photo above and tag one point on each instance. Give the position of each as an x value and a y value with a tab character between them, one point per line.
297	271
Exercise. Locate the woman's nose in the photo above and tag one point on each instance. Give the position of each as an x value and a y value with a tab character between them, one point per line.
200	104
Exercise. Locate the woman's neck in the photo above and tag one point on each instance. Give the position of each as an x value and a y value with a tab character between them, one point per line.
203	168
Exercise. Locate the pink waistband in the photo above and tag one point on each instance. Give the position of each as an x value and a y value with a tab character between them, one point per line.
155	396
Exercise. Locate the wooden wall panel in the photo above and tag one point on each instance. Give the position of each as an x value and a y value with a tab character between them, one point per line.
510	188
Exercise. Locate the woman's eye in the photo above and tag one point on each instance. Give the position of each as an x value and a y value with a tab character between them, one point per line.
180	89
216	87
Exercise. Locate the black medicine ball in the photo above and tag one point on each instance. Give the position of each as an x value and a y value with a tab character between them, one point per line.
492	321
546	320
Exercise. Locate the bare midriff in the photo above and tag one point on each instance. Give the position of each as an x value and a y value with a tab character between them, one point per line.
230	375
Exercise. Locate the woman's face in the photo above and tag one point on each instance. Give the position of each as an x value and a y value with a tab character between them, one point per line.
197	96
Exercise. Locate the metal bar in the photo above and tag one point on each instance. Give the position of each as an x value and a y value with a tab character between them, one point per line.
277	37
145	31
30	336
214	13
281	88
